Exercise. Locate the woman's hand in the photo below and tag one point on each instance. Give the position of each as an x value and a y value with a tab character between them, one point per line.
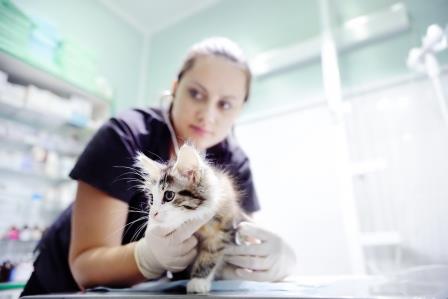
163	250
269	259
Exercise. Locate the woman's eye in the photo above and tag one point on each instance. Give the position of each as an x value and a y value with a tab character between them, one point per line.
195	94
168	196
225	105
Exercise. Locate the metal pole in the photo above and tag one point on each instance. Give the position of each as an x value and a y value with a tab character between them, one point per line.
333	95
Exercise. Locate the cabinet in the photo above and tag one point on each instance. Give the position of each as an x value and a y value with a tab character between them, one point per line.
45	122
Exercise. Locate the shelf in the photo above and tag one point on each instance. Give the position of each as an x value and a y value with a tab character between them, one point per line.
40	119
34	176
26	73
26	144
33	74
28	243
11	285
29	117
53	122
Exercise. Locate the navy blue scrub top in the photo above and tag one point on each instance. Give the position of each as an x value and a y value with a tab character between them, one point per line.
104	165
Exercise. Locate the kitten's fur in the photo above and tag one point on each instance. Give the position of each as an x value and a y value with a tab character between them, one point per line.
199	191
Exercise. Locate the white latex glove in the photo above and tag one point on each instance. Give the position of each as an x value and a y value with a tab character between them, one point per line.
271	259
163	250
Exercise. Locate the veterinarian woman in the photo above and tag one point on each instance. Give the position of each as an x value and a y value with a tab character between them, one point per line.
98	240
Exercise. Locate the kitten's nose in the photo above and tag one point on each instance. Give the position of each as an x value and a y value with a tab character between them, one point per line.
157	213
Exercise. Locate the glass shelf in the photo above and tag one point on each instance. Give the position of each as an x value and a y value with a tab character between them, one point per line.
44	178
50	123
61	129
40	119
28	143
33	74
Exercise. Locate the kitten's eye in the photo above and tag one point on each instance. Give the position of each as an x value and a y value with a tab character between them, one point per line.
168	196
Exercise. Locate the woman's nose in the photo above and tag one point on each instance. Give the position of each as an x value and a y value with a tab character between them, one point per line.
208	114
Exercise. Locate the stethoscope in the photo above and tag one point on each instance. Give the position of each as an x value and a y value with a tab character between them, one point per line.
166	101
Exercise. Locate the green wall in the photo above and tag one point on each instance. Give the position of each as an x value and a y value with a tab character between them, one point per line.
258	26
117	45
387	58
261	25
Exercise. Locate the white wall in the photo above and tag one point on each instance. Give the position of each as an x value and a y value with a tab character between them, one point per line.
294	162
398	144
402	126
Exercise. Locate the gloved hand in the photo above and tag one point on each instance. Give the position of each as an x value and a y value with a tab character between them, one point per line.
164	249
270	259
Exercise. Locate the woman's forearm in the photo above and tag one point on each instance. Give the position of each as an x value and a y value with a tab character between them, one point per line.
106	266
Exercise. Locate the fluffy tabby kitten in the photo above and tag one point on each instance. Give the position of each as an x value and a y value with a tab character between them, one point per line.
187	189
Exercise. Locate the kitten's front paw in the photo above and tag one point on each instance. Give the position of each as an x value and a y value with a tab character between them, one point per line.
199	285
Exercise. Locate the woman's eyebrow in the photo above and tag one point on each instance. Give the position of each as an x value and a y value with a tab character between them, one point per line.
224	97
228	97
200	86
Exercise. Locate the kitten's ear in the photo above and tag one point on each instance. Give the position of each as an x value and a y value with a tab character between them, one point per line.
148	166
189	163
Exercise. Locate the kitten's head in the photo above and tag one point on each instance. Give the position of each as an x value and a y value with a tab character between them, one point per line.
182	190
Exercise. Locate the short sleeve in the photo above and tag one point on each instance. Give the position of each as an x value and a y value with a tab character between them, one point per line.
249	199
106	163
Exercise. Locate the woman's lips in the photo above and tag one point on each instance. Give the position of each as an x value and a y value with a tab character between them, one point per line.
199	130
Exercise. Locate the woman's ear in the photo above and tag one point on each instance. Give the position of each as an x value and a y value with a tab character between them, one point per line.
174	87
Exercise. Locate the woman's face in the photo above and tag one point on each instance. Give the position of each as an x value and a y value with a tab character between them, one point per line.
207	101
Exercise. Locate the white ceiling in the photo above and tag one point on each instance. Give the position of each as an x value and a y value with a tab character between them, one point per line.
149	16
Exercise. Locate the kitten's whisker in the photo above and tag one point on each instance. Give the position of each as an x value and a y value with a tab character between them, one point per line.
125	167
138	211
131	170
130	180
134	237
127	229
142	211
152	153
134	175
130	188
121	178
139	219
